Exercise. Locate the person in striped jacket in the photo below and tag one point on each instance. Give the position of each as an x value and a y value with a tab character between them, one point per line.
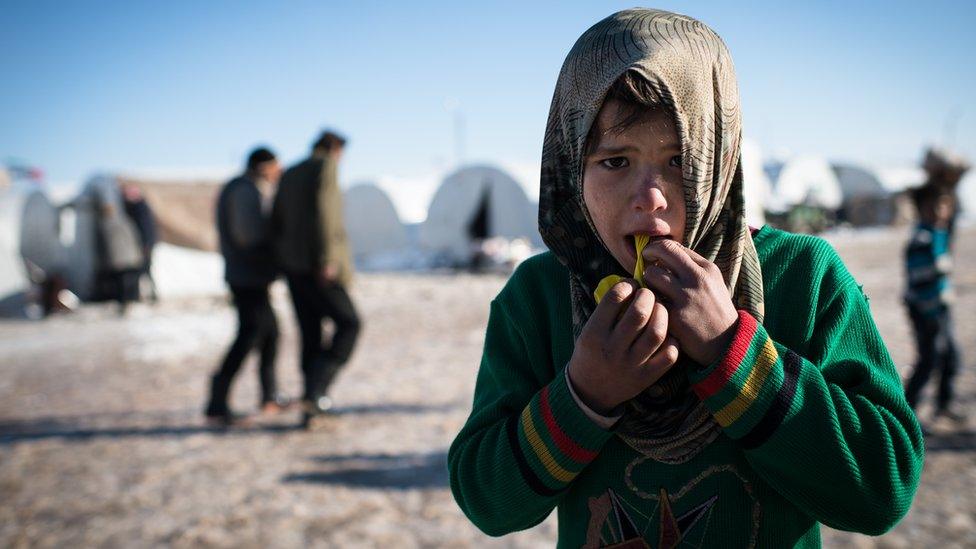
928	296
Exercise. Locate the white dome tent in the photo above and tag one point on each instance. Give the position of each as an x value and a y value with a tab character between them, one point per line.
803	180
372	223
477	203
858	182
37	241
866	200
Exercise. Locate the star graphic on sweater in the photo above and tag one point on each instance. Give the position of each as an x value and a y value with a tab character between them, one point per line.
671	529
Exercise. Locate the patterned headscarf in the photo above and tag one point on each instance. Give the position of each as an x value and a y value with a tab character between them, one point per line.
689	69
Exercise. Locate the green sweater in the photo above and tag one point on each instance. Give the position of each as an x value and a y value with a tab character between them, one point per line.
815	427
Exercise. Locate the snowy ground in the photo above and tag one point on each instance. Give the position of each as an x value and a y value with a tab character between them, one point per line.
102	444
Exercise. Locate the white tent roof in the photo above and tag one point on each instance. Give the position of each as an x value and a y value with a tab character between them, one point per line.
511	214
410	195
371	220
527	175
859	182
756	184
803	180
898	179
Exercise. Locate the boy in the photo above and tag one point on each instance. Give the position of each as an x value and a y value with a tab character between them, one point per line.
741	398
928	264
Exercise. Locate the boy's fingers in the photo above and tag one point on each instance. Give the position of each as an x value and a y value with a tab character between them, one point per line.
651	338
674	257
662	281
663	360
697	258
633	319
608	310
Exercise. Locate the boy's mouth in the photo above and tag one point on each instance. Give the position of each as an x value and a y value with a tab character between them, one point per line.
631	243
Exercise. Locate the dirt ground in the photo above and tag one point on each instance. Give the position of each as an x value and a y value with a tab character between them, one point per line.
102	441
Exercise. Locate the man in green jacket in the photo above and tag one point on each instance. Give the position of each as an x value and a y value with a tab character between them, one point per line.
312	249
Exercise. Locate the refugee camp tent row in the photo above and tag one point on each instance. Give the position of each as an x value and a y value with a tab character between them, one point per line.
418	222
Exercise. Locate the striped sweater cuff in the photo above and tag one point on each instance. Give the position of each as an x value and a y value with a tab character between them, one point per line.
553	440
751	388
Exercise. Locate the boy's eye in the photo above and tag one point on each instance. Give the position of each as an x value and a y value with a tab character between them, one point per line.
675	161
615	163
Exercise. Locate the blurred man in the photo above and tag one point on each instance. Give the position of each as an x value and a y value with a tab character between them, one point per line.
142	216
311	246
243	210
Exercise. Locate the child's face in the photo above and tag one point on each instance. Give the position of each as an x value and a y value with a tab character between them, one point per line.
632	181
942	211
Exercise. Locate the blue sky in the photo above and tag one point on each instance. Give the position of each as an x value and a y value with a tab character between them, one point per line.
108	85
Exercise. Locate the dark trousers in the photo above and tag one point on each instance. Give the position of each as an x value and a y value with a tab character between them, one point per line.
126	286
146	271
936	352
313	302
257	328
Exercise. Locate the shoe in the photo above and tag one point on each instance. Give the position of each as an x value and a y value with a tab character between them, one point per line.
225	418
271	409
315	408
318	407
277	406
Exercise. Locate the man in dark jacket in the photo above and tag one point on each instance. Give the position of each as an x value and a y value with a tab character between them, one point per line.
142	216
243	210
312	249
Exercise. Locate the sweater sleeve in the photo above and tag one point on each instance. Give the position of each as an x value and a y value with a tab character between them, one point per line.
829	430
526	439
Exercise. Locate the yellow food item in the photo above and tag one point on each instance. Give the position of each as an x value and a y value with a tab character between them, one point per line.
604	286
640	242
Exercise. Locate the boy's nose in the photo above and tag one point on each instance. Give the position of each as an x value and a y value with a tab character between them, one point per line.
649	196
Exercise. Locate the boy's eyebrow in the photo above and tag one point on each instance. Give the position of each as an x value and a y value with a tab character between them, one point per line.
603	149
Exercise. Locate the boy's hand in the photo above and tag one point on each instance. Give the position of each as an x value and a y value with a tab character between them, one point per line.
700	310
623	348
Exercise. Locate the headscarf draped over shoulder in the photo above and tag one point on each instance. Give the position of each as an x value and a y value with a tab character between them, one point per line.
690	70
